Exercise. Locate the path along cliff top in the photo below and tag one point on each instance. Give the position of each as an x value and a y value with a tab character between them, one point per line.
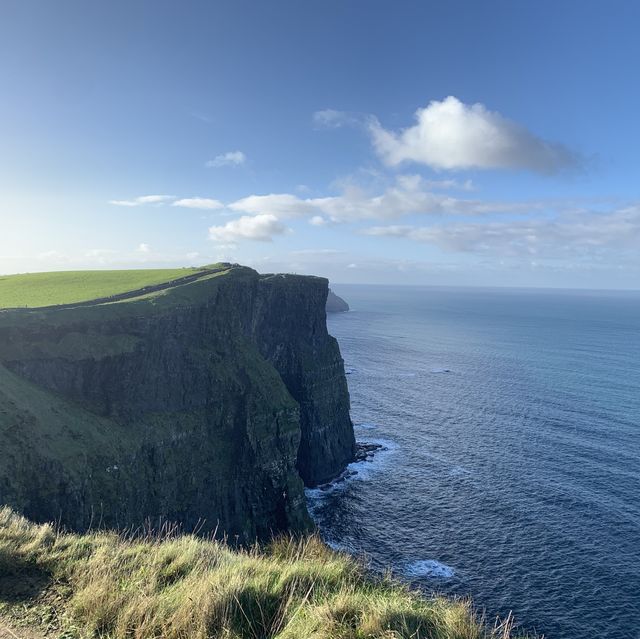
74	288
32	295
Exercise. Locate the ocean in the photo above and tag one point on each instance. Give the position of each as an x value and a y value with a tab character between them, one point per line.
510	421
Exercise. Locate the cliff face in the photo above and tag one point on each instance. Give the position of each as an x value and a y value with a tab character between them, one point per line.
309	362
203	404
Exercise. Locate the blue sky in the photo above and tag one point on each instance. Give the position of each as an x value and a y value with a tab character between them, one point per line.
471	143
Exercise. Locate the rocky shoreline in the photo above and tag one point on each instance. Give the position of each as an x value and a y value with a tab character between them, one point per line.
365	452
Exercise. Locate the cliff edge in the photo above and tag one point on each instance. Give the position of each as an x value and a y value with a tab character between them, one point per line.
207	402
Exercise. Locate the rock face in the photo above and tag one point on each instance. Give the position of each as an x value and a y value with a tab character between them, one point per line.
310	365
336	304
207	404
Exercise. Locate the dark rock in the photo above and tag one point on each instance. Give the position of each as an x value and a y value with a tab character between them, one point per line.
366	451
336	304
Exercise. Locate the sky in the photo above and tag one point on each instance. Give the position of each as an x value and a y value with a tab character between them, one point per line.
490	143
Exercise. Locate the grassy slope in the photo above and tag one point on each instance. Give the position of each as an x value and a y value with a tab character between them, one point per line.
196	291
71	430
110	586
45	289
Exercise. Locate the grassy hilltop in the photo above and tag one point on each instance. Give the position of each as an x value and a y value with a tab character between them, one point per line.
32	290
118	587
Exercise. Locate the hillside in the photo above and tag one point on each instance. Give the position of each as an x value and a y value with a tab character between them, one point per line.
207	401
31	290
173	586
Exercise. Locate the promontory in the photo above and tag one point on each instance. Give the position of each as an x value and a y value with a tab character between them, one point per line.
207	397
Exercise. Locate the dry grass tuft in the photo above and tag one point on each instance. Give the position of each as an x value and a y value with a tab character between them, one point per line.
183	587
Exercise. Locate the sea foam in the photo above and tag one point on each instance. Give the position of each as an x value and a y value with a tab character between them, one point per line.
355	471
365	426
429	568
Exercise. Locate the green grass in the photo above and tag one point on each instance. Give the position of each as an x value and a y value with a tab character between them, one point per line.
179	586
32	290
136	303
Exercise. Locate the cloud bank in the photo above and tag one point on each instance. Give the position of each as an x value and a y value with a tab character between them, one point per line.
410	194
575	234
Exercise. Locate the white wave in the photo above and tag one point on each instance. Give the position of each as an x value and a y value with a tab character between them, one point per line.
364	470
429	568
350	370
355	471
440	370
456	471
366	426
316	495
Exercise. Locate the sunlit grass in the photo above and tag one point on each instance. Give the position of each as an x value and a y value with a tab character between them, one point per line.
180	586
67	287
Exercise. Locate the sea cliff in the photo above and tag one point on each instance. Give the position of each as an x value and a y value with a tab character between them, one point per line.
207	403
335	304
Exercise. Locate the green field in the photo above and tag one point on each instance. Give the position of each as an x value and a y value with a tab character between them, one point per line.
31	290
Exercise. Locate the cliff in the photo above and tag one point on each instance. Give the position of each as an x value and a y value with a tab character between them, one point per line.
335	304
207	402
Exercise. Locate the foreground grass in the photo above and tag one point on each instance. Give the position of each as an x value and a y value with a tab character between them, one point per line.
112	586
67	287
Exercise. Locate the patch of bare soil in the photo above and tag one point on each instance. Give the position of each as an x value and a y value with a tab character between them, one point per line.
7	631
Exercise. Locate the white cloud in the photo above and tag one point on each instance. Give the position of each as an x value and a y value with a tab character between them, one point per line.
142	200
199	203
188	202
231	158
408	195
452	135
282	205
575	234
332	119
259	227
143	248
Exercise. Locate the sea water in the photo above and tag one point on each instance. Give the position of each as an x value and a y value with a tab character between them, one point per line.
510	472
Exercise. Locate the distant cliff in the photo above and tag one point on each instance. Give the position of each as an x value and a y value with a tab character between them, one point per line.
207	403
336	304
